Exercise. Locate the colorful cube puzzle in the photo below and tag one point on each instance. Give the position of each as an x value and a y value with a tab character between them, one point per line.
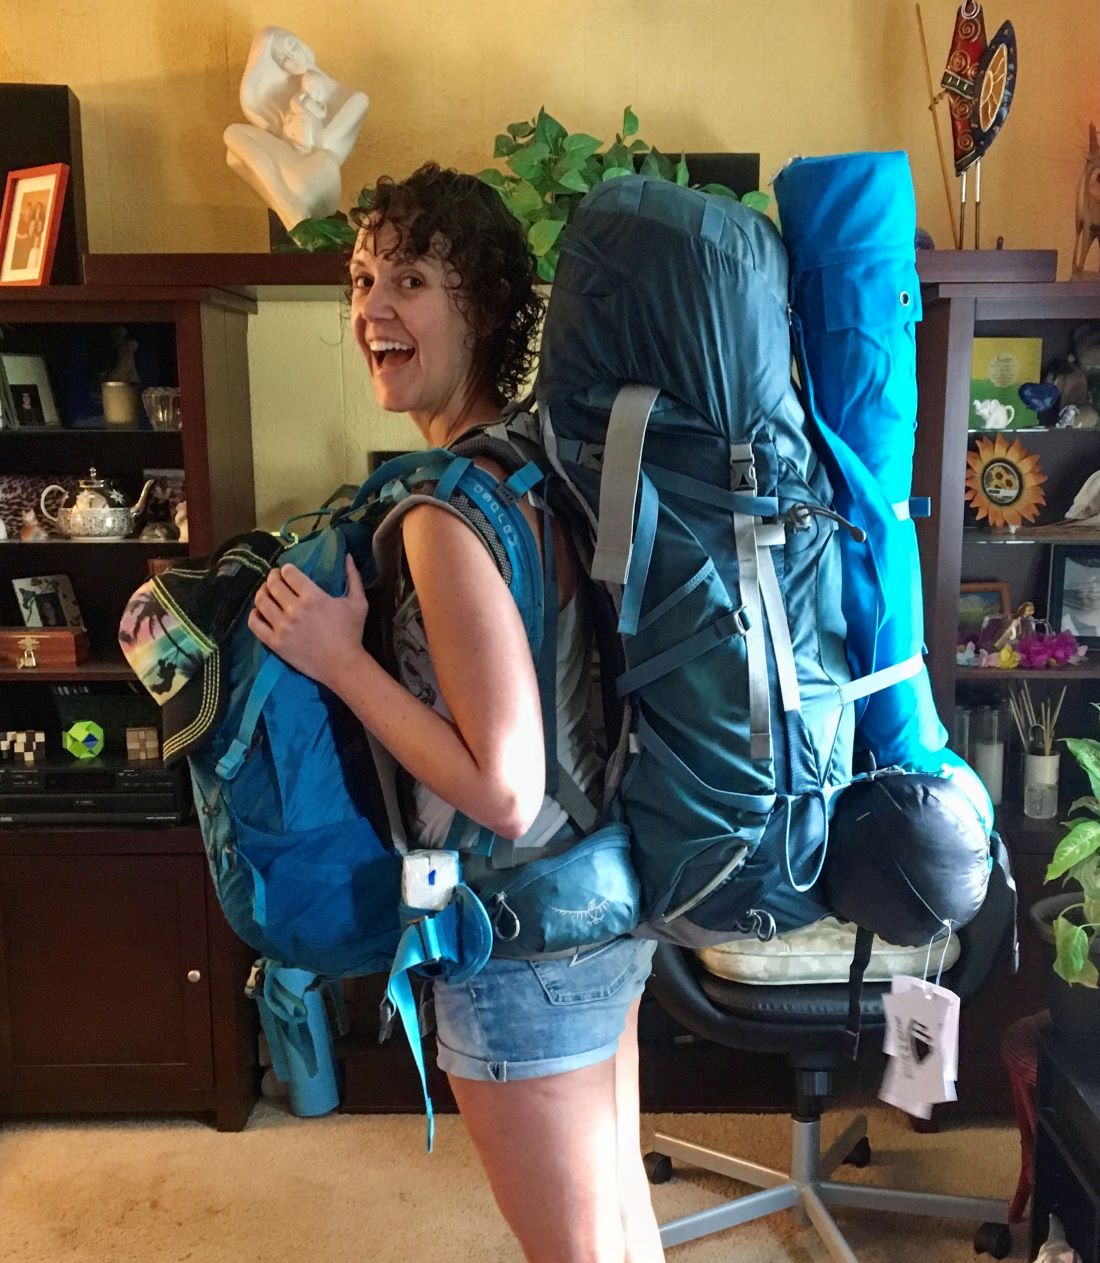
142	744
84	740
24	745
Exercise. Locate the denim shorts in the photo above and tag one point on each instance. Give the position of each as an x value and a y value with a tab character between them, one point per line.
526	1019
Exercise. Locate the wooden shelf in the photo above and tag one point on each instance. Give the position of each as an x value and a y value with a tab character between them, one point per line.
993	675
941	267
167	547
82	673
294	276
1023	537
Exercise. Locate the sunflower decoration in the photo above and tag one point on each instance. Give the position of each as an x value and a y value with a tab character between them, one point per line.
1003	482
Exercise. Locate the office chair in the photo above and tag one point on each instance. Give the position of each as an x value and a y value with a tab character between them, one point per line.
806	1023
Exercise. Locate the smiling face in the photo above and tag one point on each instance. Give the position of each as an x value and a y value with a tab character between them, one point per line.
416	341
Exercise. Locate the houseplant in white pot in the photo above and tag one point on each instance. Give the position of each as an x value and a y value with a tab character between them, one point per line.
1070	920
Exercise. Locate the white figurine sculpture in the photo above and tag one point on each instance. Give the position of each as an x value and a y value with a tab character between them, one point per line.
301	127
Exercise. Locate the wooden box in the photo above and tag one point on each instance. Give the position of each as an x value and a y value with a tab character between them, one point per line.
50	647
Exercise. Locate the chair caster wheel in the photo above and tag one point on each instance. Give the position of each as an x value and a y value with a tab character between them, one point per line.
658	1168
860	1155
994	1239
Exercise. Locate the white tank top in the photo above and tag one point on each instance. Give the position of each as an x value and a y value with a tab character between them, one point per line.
576	748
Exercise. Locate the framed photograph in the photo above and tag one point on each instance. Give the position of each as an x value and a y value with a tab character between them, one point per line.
165	495
32	400
977	601
1075	592
47	600
7	404
29	222
999	367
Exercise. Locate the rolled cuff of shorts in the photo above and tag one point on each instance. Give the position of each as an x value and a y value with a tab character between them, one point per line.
465	1067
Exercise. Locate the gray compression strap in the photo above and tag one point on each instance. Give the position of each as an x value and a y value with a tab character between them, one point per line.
572	800
386	766
760	740
622	466
779	631
877	680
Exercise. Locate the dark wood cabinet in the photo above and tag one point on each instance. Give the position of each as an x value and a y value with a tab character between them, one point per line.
956	549
104	965
121	985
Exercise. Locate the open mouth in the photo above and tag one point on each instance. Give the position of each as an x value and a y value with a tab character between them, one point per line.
386	355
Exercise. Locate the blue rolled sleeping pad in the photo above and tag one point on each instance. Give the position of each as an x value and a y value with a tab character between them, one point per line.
849	225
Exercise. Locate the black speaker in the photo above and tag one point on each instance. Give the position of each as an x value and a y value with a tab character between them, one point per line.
737	171
40	124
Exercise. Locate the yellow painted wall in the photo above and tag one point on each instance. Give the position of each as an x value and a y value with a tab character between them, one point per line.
158	82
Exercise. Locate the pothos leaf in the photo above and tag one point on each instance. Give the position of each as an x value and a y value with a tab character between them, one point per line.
1079	843
1087	753
324	235
757	200
542	236
1072	962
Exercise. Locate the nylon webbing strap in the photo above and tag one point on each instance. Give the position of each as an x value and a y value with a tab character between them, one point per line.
708	493
263	685
622	467
547	666
645	673
861	958
780	632
664	754
640	557
760	740
418	945
878	680
571	798
386	767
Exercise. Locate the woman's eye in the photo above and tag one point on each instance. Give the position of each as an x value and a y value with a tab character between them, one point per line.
361	281
412	281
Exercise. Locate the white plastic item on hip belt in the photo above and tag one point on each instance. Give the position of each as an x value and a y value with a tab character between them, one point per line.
428	877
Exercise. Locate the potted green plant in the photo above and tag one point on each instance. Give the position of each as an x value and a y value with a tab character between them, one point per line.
549	170
1070	921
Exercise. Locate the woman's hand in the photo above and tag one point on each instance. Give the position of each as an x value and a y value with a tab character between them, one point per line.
317	634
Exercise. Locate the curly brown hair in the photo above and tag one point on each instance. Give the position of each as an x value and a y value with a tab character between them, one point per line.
463	222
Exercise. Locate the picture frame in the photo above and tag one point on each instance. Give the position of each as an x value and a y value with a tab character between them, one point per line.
32	398
29	222
47	600
1074	602
979	600
999	367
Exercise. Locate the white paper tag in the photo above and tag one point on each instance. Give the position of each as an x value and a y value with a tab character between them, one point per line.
922	1042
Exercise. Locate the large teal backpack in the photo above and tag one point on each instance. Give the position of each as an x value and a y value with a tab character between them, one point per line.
669	442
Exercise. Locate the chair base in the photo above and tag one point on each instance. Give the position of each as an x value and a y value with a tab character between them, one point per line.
808	1190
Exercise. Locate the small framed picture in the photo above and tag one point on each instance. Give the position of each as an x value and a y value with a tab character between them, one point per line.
32	400
29	222
977	602
47	600
1075	592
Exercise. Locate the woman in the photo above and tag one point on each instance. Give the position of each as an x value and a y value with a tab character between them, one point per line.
542	1057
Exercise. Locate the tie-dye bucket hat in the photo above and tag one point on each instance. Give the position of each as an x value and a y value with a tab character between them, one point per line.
174	628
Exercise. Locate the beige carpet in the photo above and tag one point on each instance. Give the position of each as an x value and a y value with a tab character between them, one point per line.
346	1189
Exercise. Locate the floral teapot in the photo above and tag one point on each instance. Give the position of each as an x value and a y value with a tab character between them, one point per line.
98	510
